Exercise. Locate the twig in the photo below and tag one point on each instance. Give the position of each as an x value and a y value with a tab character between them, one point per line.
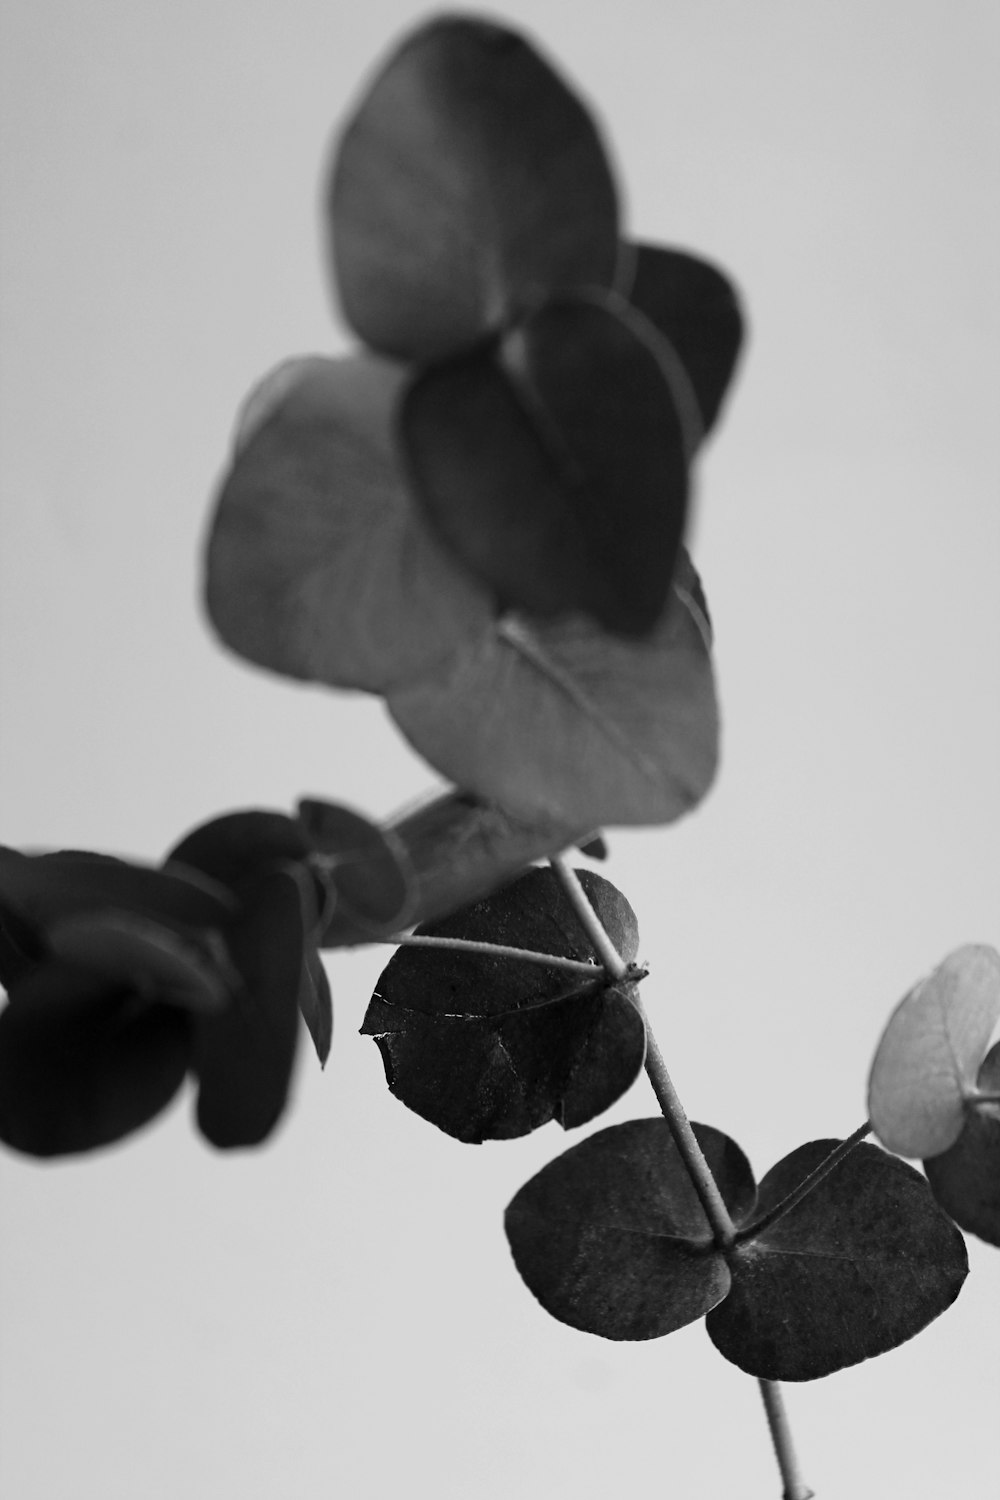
494	950
836	1156
795	1488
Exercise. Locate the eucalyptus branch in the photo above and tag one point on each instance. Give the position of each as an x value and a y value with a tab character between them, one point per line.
815	1177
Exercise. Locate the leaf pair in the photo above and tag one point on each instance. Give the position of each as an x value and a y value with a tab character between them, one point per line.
134	977
533	465
490	1047
611	1239
934	1089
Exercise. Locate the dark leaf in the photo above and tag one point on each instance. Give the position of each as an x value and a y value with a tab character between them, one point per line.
240	844
860	1265
488	1048
316	1004
567	724
554	465
696	309
469	183
84	1061
44	888
611	1238
931	1051
365	868
21	947
595	847
243	1056
192	970
318	565
965	1179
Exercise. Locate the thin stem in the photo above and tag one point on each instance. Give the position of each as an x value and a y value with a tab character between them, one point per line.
982	1096
589	920
807	1184
494	950
795	1487
705	1185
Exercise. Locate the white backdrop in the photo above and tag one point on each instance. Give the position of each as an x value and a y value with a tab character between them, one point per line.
338	1313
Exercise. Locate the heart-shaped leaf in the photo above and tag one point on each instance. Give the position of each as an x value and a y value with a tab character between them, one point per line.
84	1060
490	1047
565	723
317	564
365	868
695	308
192	970
469	182
965	1179
857	1267
612	1239
243	1056
931	1051
554	464
44	888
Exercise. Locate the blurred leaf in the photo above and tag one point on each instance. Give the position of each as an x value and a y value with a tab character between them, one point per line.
694	306
554	465
611	1238
192	970
965	1179
240	844
565	723
317	565
366	868
45	888
859	1266
21	947
469	182
316	1003
243	1056
594	848
931	1051
488	1048
84	1061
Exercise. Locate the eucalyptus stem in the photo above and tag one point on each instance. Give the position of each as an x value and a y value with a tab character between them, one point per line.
795	1487
836	1156
494	950
698	1169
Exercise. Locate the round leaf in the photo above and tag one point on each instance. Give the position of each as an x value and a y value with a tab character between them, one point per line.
44	888
84	1061
860	1265
366	869
317	565
488	1048
695	308
965	1179
611	1238
931	1051
469	182
554	465
566	723
192	970
240	844
243	1056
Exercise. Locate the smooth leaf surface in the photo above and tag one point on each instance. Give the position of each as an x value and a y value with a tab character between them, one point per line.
931	1052
21	947
243	1056
566	723
84	1061
965	1179
553	465
192	970
318	565
695	308
469	182
859	1266
365	868
611	1238
43	888
488	1048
